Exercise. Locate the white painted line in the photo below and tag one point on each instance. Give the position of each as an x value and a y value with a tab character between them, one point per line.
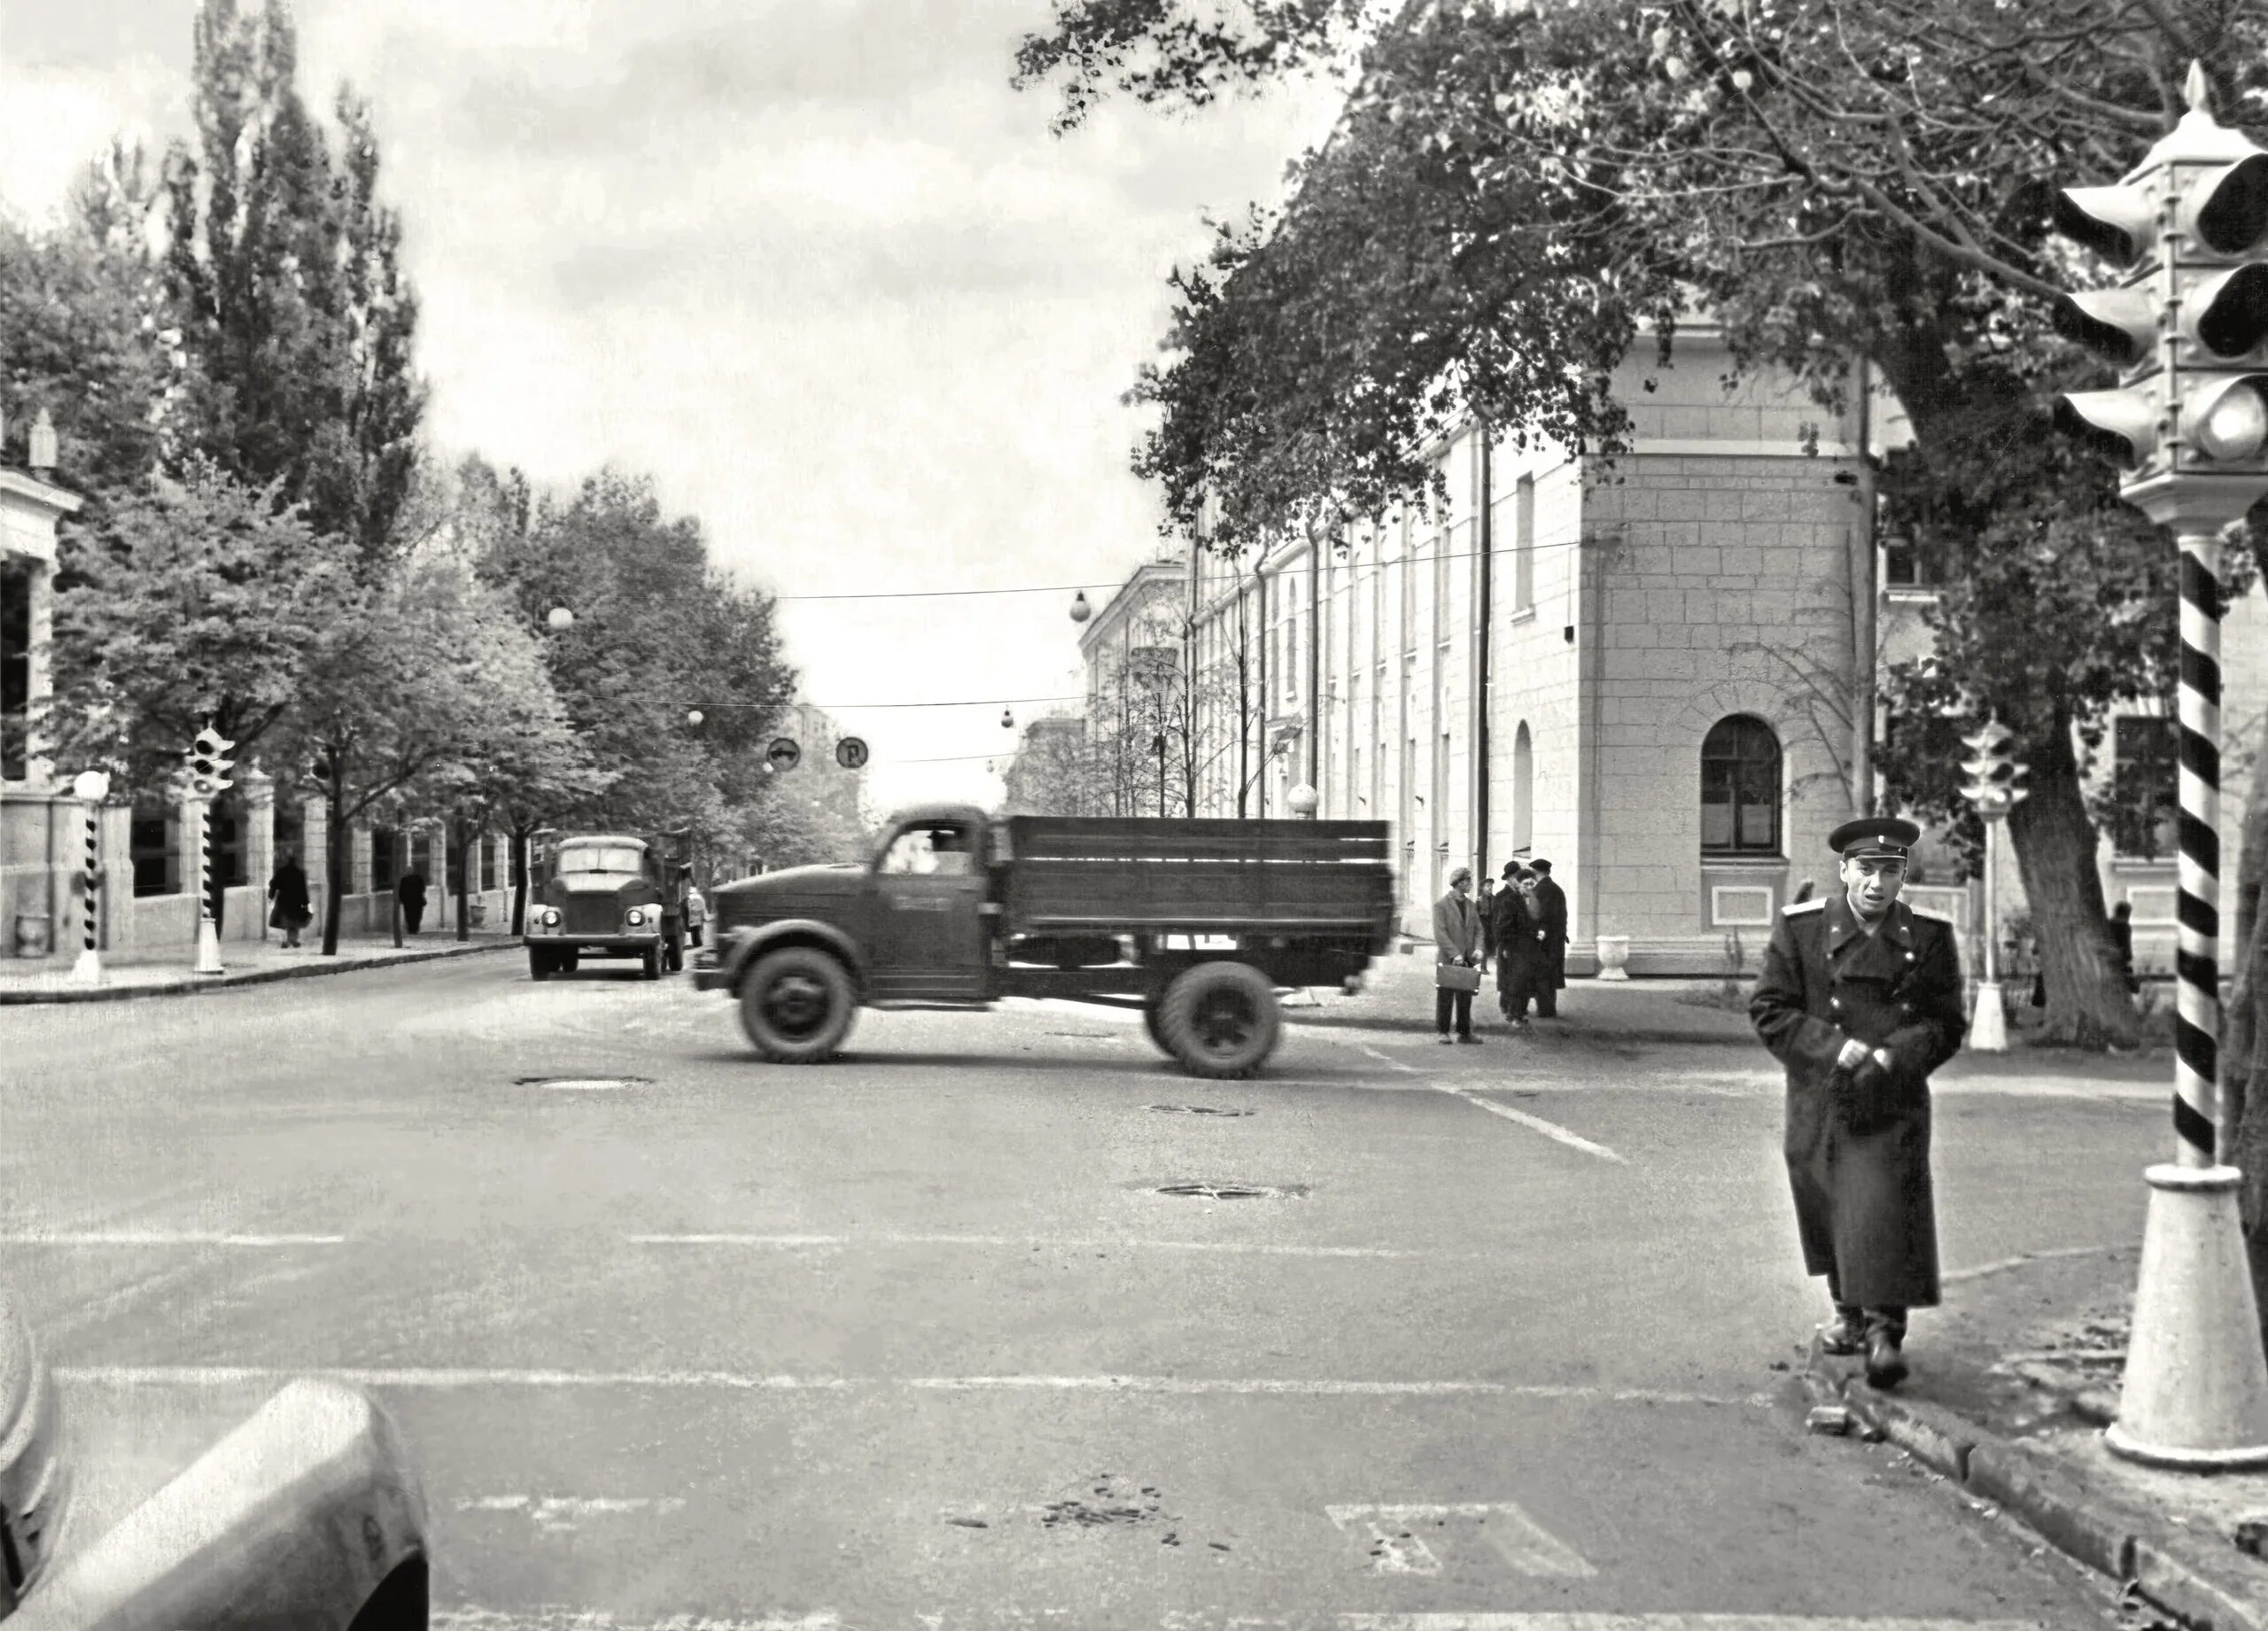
1389	1061
1517	1621
1534	1124
562	1513
590	1619
1518	1539
158	1237
1259	1249
436	1377
446	1378
2023	1259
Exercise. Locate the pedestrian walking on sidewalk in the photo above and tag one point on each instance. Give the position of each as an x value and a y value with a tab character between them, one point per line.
1456	957
1861	1000
287	886
1519	932
411	892
1551	909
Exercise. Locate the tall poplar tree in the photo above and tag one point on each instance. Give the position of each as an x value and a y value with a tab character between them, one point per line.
285	270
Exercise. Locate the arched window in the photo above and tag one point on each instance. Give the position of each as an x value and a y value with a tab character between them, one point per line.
1523	789
1740	787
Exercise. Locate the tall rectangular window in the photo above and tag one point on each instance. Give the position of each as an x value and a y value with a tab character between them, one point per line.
1524	543
1442	792
15	672
2144	786
1442	588
155	856
1408	588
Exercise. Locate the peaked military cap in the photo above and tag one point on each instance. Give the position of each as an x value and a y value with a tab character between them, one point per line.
1883	837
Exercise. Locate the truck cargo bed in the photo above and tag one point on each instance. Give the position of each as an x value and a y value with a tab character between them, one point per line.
1069	875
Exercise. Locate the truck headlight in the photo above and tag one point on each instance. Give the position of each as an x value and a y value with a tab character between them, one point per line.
634	916
551	917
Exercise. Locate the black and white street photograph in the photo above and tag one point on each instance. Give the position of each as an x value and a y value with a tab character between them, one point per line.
1133	815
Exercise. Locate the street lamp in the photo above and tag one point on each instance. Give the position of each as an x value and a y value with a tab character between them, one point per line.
91	787
1007	720
693	716
560	618
1080	610
1303	800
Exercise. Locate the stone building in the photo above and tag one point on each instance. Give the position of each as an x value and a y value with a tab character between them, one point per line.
1659	694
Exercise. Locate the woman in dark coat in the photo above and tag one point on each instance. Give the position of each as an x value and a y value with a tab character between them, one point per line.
288	889
1522	961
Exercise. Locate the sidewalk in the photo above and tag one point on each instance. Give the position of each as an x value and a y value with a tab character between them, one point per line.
246	962
1398	995
2014	1381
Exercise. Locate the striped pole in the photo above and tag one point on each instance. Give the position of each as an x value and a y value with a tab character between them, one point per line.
208	936
2197	1021
88	968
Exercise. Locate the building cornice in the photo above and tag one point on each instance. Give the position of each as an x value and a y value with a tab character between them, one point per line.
32	490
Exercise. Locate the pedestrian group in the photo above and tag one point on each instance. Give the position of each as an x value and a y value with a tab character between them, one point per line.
1521	927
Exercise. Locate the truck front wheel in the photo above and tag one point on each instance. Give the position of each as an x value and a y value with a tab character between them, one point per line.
1220	1020
797	1005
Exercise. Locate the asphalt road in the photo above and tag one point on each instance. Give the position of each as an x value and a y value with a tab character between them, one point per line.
914	1339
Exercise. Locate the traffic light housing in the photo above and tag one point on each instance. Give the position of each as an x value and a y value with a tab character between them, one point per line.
2188	326
209	764
1995	784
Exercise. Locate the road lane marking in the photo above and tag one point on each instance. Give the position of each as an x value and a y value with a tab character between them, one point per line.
788	1242
560	1514
436	1378
1671	1621
158	1237
1388	1060
1533	1124
1954	1276
1518	1539
550	1618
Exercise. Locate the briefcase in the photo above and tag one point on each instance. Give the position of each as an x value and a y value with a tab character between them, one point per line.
1456	977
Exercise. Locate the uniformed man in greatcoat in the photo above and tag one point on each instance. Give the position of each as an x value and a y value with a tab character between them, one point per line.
1860	999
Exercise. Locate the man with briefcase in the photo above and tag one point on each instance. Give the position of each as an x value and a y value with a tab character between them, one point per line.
1456	957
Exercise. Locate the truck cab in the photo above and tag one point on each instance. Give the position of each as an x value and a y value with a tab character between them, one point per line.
601	897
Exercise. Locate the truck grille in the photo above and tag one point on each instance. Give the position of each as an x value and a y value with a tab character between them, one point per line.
588	914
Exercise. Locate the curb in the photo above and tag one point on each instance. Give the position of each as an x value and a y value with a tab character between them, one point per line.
189	983
2128	1545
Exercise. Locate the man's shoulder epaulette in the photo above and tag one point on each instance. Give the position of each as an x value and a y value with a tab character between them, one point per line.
1800	907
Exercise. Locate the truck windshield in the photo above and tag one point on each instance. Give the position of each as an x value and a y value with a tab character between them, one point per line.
603	857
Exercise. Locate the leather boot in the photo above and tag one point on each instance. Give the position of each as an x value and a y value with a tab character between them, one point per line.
1844	1335
1885	1363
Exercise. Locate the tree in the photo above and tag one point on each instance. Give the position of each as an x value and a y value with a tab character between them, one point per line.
1834	181
79	336
1057	771
191	602
657	636
282	270
796	823
427	687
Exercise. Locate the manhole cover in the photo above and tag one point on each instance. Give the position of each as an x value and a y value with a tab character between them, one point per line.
1196	1110
1233	1192
583	1084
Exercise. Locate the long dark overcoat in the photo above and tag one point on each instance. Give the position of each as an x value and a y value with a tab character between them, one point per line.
1523	964
1858	1142
1551	902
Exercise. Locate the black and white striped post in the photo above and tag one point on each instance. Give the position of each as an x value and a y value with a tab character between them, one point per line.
2190	421
91	787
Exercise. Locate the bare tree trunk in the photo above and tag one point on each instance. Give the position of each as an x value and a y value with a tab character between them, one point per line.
2056	844
519	863
464	857
2244	1047
336	837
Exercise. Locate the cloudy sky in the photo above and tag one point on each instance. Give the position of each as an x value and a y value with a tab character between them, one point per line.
809	263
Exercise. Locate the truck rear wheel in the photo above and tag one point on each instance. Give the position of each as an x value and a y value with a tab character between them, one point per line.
797	1005
1220	1020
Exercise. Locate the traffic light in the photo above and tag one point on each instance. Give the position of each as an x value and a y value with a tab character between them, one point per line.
2188	326
1995	781
208	768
